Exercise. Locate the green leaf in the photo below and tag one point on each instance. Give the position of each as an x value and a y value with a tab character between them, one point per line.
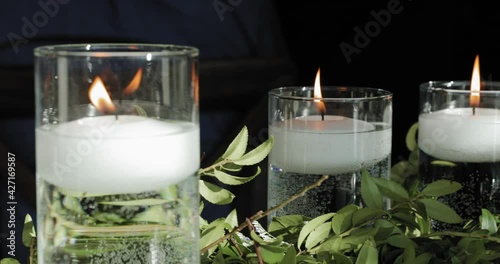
424	224
420	208
368	253
423	258
266	239
340	258
409	254
290	256
28	231
440	211
413	158
108	217
257	154
271	253
262	236
488	221
73	204
384	229
464	243
331	244
232	218
353	242
238	146
170	193
475	251
154	214
311	225
219	258
287	225
139	202
348	208
365	214
200	208
342	221
402	170
242	243
441	187
287	221
444	163
9	261
368	231
255	237
203	223
391	189
234	180
411	141
303	259
370	193
215	194
361	235
491	257
231	167
401	241
406	218
230	251
317	235
214	231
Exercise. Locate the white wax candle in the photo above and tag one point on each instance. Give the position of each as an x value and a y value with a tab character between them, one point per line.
331	146
458	135
125	155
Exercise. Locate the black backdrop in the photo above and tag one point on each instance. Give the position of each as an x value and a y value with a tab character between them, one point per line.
420	42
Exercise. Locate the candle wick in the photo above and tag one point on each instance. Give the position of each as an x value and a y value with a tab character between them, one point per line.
473	110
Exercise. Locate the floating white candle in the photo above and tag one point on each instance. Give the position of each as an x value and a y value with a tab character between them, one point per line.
457	135
331	146
125	155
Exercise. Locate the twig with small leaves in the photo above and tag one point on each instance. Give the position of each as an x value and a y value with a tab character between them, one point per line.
255	245
261	214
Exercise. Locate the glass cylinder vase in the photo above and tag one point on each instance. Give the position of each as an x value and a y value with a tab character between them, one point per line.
117	153
459	140
347	131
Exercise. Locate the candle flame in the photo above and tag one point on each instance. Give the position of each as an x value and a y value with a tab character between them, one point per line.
134	84
475	84
100	97
317	94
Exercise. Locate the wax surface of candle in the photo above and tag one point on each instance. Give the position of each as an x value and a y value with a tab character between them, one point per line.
458	135
125	155
331	146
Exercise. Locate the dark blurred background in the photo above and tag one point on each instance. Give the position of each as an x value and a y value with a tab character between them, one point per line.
426	40
248	47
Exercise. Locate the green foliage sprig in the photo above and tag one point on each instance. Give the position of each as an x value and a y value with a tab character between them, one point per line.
29	240
232	162
400	233
377	233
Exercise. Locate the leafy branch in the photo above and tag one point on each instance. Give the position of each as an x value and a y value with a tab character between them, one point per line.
232	162
373	233
259	215
29	241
